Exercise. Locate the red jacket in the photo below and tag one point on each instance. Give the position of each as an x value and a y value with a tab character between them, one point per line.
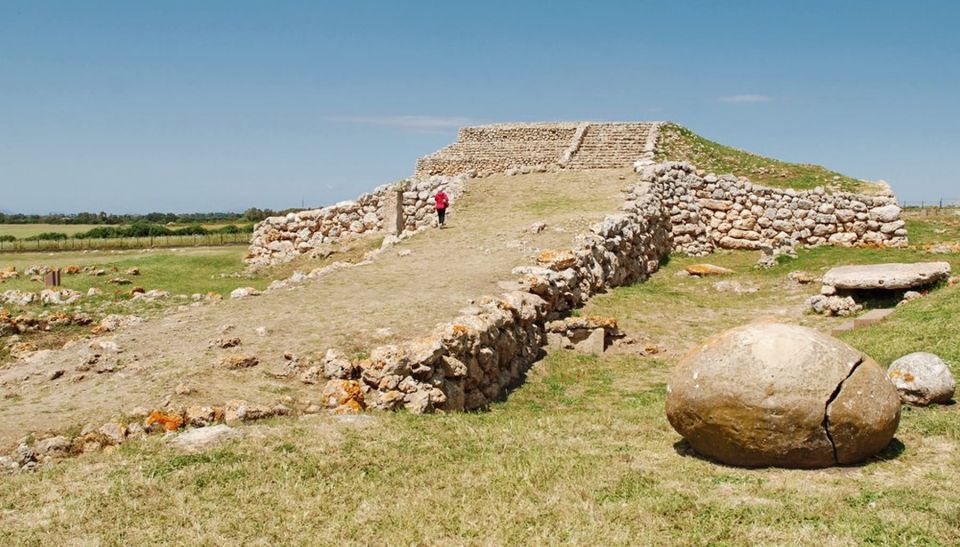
442	200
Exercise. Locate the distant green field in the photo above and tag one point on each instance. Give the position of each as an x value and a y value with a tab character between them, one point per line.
21	231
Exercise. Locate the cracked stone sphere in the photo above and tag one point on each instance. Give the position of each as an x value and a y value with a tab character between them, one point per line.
782	395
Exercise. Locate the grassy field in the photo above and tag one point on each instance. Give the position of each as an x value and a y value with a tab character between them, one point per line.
21	231
580	454
183	271
680	144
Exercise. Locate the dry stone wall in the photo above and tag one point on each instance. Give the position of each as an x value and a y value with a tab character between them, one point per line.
394	209
708	211
474	359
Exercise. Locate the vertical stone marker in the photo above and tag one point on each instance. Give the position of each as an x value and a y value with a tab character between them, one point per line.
393	210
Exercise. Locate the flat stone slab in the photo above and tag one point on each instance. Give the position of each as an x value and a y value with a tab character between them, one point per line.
871	317
893	276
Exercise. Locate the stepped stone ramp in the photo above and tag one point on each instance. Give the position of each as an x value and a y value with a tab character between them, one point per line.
610	145
409	295
498	148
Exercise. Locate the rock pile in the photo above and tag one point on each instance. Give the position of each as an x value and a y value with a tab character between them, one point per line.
782	395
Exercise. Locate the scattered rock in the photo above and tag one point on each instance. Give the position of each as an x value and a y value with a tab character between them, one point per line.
133	271
54	446
183	389
224	343
782	395
244	292
260	331
922	379
703	270
734	287
167	422
801	277
593	344
403	252
235	362
537	227
113	433
203	438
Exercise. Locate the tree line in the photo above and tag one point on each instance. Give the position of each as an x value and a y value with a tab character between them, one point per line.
253	214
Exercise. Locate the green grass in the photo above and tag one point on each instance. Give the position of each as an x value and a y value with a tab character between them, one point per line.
581	453
932	226
680	144
180	272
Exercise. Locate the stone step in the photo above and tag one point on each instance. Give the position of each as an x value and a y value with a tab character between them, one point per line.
872	317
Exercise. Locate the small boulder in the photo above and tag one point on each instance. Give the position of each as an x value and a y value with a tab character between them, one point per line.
703	270
197	440
922	378
236	362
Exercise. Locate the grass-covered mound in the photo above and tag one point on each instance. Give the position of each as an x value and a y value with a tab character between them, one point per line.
678	143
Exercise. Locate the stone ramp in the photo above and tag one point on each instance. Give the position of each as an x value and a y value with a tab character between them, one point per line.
394	298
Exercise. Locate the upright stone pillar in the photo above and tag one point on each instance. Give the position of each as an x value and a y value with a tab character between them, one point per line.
393	210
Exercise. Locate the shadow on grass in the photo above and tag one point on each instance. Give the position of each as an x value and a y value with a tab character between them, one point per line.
893	451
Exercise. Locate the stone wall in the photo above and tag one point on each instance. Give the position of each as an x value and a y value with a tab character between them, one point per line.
469	362
710	211
397	208
502	148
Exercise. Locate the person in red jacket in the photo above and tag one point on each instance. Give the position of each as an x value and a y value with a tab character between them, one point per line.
442	202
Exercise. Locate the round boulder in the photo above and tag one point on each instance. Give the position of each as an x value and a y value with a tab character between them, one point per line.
782	395
922	378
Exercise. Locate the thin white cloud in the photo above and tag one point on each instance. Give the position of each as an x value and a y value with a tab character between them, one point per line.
426	124
747	98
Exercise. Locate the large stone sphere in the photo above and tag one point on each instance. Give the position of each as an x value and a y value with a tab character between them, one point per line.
782	395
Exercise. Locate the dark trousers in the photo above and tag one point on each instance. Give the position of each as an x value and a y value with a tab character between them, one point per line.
441	216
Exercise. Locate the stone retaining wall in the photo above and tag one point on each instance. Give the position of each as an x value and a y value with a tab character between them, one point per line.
501	148
710	211
474	359
392	209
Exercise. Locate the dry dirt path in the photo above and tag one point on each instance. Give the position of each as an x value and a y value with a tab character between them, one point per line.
486	238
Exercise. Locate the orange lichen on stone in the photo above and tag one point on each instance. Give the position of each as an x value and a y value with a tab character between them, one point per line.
169	422
557	260
707	269
72	269
344	396
459	329
598	322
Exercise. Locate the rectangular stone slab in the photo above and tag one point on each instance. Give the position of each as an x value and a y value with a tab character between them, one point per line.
893	276
871	317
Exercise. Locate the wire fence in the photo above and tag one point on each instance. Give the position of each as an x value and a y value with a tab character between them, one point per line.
94	244
942	203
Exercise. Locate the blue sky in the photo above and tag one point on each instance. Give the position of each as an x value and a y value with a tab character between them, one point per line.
224	105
